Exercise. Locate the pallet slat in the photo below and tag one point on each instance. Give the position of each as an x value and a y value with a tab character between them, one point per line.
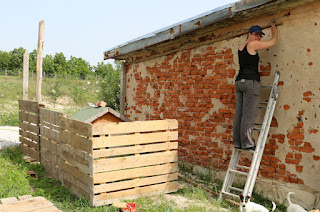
30	135
106	177
30	152
77	127
109	198
134	183
30	143
76	157
134	149
76	141
28	117
29	127
134	161
76	173
122	140
29	106
132	127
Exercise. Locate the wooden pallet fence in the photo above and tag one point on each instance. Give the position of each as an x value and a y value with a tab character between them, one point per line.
134	158
76	156
50	141
29	128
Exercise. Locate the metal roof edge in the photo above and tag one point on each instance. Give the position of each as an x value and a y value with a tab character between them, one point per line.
183	27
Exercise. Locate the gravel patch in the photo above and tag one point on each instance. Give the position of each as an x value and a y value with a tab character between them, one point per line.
9	136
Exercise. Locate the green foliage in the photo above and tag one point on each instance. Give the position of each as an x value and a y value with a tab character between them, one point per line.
78	66
78	93
55	90
110	85
9	119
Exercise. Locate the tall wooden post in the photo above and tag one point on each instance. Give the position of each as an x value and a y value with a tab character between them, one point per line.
39	62
25	81
123	86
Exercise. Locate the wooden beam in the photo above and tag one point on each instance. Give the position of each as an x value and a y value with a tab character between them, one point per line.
25	75
39	62
123	88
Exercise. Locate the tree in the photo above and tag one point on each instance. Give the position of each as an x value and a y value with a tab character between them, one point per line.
33	61
60	63
78	66
102	69
5	58
16	61
48	65
110	85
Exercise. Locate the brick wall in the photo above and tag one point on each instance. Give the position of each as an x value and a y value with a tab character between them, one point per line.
196	87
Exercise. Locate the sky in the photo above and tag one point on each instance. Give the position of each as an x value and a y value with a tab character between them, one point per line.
86	28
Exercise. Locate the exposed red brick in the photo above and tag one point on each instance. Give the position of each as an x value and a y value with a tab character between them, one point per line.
286	107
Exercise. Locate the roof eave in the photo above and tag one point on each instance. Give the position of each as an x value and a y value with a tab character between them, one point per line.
181	28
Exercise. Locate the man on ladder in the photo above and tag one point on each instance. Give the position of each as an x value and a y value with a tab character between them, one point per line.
247	86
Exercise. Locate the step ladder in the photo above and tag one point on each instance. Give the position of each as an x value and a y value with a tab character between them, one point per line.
232	172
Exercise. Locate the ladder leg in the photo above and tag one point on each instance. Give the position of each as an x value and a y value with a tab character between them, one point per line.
228	180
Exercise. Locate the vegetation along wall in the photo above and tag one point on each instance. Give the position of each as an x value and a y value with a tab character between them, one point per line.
196	87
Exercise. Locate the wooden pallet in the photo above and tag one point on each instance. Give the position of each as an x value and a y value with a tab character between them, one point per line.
27	203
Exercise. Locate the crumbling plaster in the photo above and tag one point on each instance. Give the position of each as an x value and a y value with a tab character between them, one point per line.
296	56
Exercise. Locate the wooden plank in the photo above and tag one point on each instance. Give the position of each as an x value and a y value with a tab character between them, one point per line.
53	158
75	126
134	161
76	141
29	106
76	157
32	204
30	152
8	200
109	198
30	143
76	186
49	145
52	169
77	174
29	117
29	127
50	133
32	136
134	183
132	127
134	149
50	116
112	176
123	140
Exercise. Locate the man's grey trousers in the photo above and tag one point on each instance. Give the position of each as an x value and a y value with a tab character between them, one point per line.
247	104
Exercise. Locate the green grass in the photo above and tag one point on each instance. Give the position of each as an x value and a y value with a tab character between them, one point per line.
15	182
73	93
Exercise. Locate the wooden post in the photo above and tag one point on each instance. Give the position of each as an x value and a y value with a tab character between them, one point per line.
25	75
39	62
123	88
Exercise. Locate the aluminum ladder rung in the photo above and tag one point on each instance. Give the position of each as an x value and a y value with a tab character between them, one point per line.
230	194
266	86
243	167
238	172
257	129
235	189
259	124
265	103
263	107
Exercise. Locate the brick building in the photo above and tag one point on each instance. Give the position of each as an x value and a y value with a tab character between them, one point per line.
187	72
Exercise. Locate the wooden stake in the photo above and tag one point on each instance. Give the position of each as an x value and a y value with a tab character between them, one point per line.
39	62
25	75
